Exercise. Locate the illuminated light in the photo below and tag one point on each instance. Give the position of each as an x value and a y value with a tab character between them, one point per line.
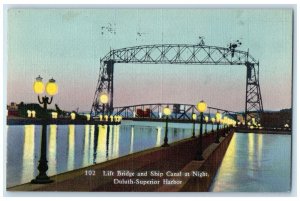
249	123
286	125
103	98
194	116
116	118
88	117
111	118
206	119
51	87
73	115
54	115
213	120
33	114
29	113
218	117
106	117
201	106
38	85
251	127
100	117
167	111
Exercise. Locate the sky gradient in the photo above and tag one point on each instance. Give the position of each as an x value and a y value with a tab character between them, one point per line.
66	44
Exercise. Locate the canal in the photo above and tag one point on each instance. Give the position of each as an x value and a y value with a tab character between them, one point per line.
255	163
75	146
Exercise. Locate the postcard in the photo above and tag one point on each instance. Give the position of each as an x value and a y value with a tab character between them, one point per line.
149	99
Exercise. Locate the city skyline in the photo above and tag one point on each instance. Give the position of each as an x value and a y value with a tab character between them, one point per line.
66	44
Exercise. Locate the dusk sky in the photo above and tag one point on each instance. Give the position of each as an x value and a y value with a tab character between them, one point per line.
66	44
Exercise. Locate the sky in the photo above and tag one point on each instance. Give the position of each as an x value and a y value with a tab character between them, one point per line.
67	44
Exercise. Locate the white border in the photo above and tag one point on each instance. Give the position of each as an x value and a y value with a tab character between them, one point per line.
146	3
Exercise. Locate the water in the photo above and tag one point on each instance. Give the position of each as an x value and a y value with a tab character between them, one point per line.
255	163
74	146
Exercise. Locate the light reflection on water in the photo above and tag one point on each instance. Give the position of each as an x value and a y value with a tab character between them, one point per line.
255	163
75	146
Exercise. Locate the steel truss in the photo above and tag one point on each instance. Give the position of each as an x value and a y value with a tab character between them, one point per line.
185	112
180	54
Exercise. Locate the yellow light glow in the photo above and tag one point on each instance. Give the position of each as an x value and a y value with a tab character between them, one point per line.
38	86
51	87
106	117
167	111
201	106
213	120
218	116
206	119
194	116
88	117
73	115
33	114
28	113
103	97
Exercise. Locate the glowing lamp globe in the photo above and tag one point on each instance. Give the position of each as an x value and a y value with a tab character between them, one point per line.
73	116
51	87
194	116
206	119
167	111
218	116
213	120
201	106
38	85
103	97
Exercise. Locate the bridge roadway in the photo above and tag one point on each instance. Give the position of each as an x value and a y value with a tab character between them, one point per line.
178	157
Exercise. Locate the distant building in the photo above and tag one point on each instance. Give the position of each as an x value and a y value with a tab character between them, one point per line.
12	109
277	119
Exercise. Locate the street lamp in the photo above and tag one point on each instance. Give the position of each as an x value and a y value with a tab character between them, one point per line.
51	90
206	121
201	107
103	98
167	112
218	118
194	117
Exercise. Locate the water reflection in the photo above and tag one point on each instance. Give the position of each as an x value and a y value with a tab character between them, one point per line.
115	151
158	137
255	163
76	146
52	150
28	153
131	139
71	147
86	147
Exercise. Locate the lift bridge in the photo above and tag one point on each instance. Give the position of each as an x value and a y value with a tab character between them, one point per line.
183	54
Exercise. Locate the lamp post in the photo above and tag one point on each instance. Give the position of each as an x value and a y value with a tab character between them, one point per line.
201	107
51	90
206	121
218	118
103	98
167	112
194	117
213	122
